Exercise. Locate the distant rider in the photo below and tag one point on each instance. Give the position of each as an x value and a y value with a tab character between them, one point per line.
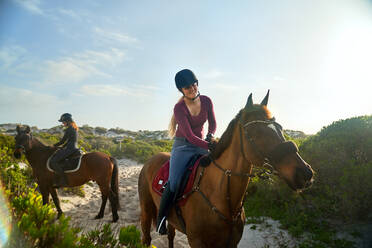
69	142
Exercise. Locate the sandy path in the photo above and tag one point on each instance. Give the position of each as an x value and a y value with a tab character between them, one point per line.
83	210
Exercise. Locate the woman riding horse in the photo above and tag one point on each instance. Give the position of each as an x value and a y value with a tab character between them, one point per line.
69	140
190	114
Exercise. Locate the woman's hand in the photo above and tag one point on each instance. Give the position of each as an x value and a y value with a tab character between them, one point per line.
209	137
212	145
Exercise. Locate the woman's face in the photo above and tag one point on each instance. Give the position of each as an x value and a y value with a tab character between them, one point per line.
64	123
190	91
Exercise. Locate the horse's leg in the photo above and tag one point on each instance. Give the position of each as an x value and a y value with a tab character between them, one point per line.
44	193
171	234
114	207
148	215
104	193
148	209
114	191
55	198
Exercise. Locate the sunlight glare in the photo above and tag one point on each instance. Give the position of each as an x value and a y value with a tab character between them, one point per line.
5	219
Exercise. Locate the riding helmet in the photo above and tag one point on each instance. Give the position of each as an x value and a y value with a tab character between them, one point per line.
185	78
65	117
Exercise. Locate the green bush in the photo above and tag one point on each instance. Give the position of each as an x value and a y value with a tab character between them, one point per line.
130	236
15	179
101	238
37	222
341	155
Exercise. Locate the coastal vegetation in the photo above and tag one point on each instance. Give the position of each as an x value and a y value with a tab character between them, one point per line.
341	197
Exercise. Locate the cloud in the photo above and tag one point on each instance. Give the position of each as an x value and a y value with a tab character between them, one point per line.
69	13
80	66
17	61
108	36
115	90
11	55
113	57
23	99
31	5
67	70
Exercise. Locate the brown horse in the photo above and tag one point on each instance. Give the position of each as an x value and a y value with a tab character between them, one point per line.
95	166
214	214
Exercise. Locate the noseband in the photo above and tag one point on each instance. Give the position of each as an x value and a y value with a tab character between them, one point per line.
277	153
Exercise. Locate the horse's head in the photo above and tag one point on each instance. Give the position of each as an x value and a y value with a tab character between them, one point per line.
266	144
22	141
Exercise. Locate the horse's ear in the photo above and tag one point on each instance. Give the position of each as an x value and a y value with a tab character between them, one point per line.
27	130
249	102
266	99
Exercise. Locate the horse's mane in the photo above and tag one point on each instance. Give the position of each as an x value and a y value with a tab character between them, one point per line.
226	137
40	144
259	111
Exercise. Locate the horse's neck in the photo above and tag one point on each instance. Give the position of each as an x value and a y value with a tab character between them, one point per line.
233	160
38	154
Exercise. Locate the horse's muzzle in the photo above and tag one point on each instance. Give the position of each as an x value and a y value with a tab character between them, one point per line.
304	177
18	152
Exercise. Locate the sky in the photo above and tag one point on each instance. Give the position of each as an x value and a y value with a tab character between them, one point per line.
112	63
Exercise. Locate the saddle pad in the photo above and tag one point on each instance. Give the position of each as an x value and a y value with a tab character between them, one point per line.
74	166
162	176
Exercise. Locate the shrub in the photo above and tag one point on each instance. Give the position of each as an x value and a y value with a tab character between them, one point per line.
37	222
101	238
131	237
341	154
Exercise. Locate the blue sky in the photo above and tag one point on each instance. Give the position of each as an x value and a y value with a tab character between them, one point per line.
112	63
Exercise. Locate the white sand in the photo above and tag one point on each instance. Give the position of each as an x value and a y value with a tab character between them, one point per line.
82	211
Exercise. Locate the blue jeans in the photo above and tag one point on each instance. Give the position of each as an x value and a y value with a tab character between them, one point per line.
182	151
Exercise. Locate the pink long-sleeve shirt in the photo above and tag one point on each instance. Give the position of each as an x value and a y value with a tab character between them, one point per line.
191	127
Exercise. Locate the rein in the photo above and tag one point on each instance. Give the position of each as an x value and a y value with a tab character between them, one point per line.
228	173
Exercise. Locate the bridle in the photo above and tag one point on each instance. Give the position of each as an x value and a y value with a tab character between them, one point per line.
274	156
22	147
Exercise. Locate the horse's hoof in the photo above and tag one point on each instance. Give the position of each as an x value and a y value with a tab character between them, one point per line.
98	217
59	215
115	219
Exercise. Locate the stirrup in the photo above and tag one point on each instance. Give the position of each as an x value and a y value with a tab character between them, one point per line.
162	228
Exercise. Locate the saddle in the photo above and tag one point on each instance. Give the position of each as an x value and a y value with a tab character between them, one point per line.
69	164
72	161
184	186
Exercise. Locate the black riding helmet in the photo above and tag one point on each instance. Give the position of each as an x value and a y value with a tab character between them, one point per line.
185	78
65	117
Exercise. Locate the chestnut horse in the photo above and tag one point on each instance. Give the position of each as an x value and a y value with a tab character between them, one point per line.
95	166
214	214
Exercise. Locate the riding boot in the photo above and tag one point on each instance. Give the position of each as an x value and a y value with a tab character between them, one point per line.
166	201
60	179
